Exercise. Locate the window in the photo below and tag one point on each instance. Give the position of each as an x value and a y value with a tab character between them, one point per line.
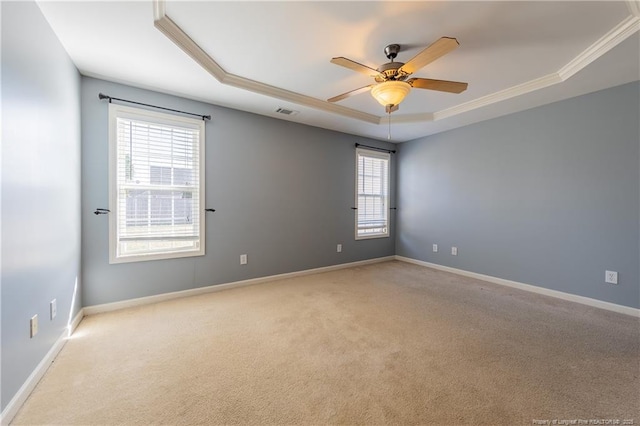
372	194
156	185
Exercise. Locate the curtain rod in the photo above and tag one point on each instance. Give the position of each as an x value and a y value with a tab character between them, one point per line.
102	96
376	148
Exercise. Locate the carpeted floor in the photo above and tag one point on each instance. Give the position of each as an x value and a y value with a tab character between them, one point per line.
390	343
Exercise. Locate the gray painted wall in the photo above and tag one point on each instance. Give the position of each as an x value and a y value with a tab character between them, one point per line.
548	196
40	190
283	194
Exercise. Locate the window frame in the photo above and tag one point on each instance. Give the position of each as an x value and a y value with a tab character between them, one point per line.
378	155
140	114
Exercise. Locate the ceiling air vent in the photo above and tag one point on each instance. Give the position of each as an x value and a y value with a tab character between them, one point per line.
286	111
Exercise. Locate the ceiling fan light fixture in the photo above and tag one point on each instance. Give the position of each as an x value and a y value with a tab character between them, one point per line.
390	92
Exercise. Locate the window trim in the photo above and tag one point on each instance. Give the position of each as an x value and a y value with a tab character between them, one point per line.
380	155
121	111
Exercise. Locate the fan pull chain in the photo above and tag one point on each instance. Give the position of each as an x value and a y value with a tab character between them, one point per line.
389	134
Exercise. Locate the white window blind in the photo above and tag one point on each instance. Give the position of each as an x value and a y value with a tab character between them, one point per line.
372	194
156	185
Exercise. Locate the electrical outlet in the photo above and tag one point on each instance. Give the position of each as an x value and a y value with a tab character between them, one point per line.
611	277
454	251
53	309
33	326
339	248
243	259
435	248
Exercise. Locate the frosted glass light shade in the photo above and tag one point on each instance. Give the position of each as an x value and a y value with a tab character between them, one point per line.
390	92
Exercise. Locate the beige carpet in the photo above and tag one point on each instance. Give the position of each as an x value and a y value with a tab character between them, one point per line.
390	343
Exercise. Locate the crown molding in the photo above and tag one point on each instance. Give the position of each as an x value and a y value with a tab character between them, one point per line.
297	98
617	35
502	95
170	29
184	42
159	9
634	7
621	32
629	26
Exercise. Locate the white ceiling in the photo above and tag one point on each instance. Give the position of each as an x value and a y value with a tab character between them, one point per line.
514	55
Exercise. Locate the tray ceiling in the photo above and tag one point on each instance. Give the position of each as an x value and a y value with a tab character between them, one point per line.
261	56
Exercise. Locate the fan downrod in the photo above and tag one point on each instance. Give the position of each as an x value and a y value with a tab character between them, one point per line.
389	70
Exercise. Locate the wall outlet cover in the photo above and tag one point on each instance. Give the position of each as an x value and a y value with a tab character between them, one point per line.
611	277
435	248
454	251
339	248
243	259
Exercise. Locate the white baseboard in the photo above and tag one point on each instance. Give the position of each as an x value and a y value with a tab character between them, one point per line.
75	322
107	307
29	385
21	396
528	287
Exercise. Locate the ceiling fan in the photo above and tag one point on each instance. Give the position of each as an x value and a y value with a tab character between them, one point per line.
392	85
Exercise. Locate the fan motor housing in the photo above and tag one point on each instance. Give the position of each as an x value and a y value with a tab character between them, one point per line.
390	71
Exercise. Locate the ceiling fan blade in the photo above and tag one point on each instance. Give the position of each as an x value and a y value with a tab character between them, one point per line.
439	85
437	49
351	93
352	65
